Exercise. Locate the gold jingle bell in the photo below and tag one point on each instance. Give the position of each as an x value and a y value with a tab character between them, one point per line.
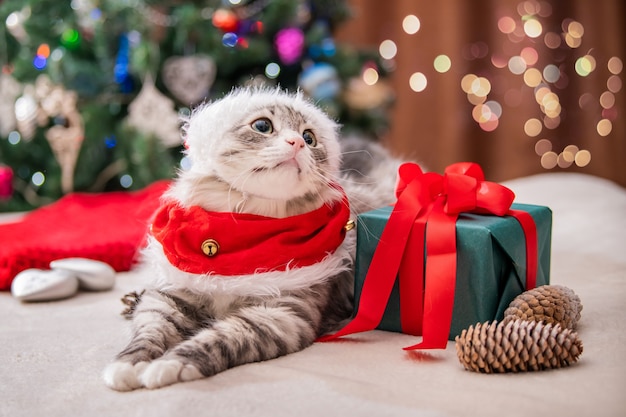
349	225
210	247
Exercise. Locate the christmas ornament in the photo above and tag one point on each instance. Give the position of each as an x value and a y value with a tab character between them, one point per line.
189	78
66	140
9	91
517	346
225	20
153	113
289	44
15	24
6	182
548	304
70	38
26	110
122	65
50	98
320	81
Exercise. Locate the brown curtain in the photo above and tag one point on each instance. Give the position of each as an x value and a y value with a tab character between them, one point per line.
583	39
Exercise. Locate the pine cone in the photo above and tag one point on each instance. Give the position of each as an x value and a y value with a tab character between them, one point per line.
548	304
517	346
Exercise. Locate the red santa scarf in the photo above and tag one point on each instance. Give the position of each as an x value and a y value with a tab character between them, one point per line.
202	242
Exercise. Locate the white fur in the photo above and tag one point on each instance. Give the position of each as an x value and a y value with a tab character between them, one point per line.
123	376
162	372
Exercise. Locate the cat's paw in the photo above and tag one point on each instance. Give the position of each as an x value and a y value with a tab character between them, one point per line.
162	372
123	376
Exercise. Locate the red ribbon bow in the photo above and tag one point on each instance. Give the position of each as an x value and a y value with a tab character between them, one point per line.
426	309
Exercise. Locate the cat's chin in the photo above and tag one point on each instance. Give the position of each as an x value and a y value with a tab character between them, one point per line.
290	164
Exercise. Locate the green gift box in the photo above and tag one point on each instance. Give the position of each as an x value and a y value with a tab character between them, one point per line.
491	263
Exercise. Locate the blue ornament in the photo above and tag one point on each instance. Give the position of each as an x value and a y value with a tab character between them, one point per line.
121	70
320	81
230	39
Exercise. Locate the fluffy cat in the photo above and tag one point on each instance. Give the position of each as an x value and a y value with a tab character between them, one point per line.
265	154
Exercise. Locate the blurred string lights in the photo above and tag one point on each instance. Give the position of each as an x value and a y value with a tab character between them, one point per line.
547	81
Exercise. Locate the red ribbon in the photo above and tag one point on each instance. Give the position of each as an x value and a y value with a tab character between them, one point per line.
427	294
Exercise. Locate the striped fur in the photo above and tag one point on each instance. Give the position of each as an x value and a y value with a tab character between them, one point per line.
187	326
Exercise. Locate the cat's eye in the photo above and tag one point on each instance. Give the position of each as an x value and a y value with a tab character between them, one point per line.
309	138
262	125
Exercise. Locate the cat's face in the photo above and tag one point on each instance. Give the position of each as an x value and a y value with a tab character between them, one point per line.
265	143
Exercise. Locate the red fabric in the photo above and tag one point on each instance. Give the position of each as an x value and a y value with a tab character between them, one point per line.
248	243
109	227
438	200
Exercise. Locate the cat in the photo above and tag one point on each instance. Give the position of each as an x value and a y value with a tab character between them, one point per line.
256	154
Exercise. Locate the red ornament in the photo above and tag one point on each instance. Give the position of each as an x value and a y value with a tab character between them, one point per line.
6	182
225	20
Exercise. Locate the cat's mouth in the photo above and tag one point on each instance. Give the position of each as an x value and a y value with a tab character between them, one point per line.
288	163
291	162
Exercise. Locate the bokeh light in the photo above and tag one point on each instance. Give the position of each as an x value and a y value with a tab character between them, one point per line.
370	76
552	40
551	73
542	146
126	181
480	87
533	28
495	107
604	127
517	65
442	63
506	24
529	55
532	77
615	65
582	158
607	100
585	65
411	24
533	127
575	29
614	84
38	179
43	50
388	49
466	82
272	70
551	122
418	82
549	160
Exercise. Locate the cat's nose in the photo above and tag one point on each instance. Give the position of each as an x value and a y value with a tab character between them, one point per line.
296	142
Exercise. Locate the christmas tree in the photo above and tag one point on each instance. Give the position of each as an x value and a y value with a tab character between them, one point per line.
92	91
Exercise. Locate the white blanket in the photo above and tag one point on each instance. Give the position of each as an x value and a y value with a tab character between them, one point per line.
52	354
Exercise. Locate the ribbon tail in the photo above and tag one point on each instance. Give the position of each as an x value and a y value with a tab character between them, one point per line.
440	279
385	264
411	279
530	232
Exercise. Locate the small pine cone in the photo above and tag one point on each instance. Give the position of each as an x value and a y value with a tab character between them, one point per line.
548	304
517	346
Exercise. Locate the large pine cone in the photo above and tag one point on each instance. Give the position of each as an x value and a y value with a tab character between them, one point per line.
517	346
548	304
